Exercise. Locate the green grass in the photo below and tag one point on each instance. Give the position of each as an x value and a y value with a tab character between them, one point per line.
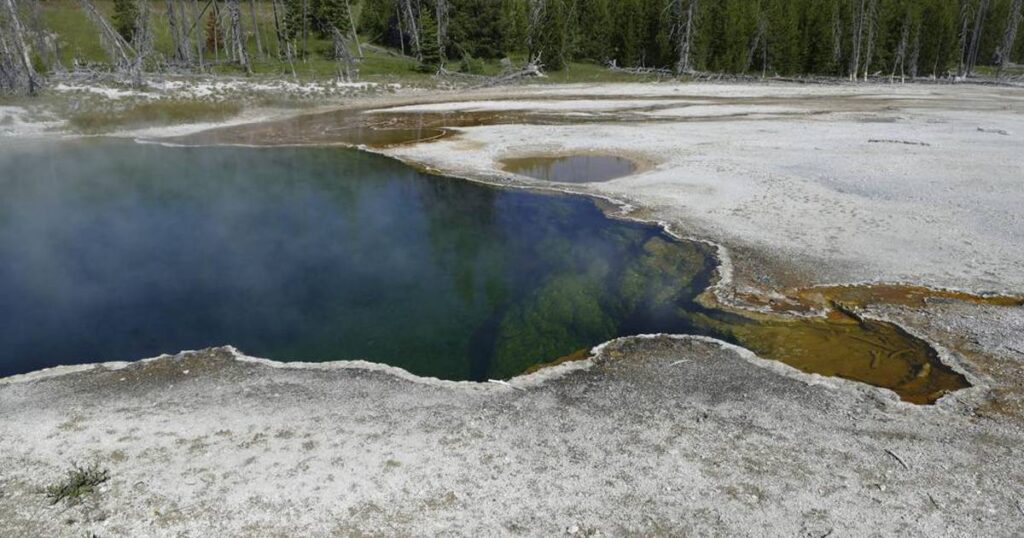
589	72
138	115
1012	70
76	483
80	41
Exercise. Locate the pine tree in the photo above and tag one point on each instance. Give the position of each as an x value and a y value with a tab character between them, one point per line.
476	28
293	17
125	14
550	36
377	19
333	14
596	22
214	33
785	48
824	37
514	21
939	47
430	52
627	34
818	54
655	32
325	15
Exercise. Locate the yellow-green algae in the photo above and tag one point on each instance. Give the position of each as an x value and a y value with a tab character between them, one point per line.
840	344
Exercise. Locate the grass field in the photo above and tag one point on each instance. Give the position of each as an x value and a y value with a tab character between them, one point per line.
79	42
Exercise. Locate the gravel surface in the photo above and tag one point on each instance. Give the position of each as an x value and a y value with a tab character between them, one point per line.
660	437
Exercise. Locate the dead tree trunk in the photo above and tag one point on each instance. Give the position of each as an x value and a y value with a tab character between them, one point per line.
915	51
256	30
534	21
197	20
441	11
352	26
176	25
172	28
1009	37
142	33
10	74
346	64
858	32
759	41
972	51
305	30
901	52
412	26
837	40
278	31
285	47
215	28
534	68
17	51
46	44
401	27
869	53
685	27
237	37
965	17
125	59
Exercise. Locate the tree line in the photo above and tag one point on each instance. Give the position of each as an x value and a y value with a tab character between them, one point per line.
858	39
850	38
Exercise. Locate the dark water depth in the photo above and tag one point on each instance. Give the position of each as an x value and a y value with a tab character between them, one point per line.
119	251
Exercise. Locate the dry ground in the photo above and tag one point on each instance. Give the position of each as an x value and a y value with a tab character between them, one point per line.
661	437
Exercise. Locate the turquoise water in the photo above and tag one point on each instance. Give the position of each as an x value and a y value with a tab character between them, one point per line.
118	251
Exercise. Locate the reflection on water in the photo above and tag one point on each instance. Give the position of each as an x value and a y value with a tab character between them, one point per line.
116	251
571	168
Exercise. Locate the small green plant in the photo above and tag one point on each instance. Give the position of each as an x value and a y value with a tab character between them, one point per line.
471	65
78	481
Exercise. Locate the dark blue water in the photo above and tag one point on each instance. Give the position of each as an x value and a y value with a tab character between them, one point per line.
118	251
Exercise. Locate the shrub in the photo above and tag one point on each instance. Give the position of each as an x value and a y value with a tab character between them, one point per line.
471	65
78	481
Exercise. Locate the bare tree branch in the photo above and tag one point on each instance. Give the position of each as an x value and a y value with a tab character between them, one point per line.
1009	37
17	52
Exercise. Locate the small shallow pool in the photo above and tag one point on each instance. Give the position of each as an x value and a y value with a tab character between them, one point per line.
571	168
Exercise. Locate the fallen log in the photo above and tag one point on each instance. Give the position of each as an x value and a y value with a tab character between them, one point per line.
532	69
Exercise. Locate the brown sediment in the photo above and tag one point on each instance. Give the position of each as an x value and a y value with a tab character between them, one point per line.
844	345
817	298
904	295
578	355
571	167
840	343
356	125
348	127
314	128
